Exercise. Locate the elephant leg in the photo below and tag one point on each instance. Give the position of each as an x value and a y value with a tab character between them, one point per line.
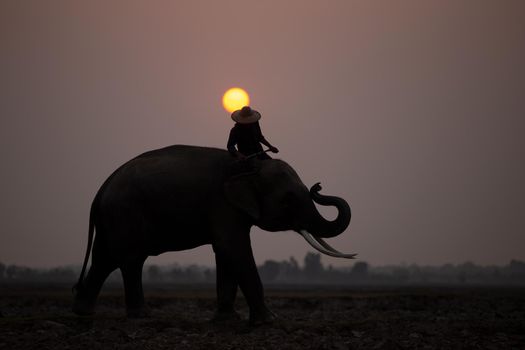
252	289
132	277
236	263
87	293
227	285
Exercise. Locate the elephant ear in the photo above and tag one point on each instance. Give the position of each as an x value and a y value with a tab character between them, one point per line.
241	193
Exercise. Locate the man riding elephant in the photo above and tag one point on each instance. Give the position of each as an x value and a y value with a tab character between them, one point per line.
247	136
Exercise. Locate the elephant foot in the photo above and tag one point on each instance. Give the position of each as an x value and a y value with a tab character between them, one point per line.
225	317
262	317
138	312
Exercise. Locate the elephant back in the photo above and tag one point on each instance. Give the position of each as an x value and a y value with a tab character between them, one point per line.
167	173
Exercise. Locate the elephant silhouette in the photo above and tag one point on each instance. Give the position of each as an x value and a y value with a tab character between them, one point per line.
181	197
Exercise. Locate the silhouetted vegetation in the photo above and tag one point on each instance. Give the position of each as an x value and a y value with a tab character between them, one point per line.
14	273
290	272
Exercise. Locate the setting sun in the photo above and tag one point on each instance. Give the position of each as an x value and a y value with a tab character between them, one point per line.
234	99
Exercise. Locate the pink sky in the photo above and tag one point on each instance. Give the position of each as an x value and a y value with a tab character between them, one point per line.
412	111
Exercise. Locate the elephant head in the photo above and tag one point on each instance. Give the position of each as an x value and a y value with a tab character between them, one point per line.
276	199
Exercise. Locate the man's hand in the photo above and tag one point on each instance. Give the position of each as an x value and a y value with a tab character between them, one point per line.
240	156
274	149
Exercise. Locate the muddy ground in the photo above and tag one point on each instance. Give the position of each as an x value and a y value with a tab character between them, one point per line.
38	317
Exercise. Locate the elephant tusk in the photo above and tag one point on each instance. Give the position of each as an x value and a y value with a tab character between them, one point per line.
314	243
323	247
329	247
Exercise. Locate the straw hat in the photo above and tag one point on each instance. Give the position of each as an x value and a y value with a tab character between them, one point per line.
246	115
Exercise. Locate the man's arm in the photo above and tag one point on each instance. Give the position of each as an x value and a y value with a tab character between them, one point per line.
232	141
265	142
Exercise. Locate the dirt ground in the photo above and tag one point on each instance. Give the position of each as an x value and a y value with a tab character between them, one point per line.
38	317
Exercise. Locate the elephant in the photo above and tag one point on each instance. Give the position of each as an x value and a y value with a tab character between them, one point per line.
181	197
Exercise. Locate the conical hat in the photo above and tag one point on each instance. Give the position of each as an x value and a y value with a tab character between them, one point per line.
246	115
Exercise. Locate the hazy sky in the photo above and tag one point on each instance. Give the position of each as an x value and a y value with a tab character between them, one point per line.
413	111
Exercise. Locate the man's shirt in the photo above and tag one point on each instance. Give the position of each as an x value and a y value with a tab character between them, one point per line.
247	137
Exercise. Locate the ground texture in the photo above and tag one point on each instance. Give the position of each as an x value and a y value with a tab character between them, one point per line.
38	317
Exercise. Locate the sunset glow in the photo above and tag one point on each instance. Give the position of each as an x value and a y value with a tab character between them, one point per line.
234	99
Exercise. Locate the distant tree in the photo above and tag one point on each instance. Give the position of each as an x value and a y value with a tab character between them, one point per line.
420	274
209	275
467	271
154	273
360	270
2	271
400	274
21	273
517	269
496	274
269	270
192	274
176	274
334	275
294	264
11	271
312	265
59	274
288	271
462	277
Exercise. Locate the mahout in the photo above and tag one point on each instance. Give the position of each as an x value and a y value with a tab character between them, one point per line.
181	197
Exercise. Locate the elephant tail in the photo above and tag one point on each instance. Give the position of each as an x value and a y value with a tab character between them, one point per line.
91	234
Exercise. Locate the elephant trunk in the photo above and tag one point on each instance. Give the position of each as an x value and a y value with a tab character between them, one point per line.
320	227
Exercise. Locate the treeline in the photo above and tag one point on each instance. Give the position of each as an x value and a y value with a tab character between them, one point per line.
16	273
313	271
290	271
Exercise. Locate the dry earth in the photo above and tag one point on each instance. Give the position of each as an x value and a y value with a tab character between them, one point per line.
38	317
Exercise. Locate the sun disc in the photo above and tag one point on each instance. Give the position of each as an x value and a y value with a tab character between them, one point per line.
234	99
